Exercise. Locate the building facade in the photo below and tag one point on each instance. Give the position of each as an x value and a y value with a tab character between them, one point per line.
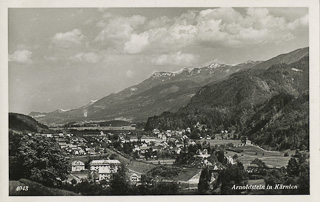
77	166
105	169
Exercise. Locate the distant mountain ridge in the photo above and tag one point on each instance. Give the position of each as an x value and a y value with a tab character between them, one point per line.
163	91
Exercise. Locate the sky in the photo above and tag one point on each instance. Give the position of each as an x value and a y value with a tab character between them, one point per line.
62	58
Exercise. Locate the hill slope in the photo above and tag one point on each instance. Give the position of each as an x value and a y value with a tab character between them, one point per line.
245	99
24	123
140	101
35	189
162	91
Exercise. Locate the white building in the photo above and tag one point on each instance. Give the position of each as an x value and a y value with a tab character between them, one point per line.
77	166
105	168
156	131
230	160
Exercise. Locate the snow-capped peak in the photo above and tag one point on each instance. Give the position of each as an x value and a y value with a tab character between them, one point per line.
162	74
214	65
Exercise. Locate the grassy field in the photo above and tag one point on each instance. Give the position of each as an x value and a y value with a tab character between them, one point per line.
271	158
187	174
256	182
162	161
220	142
30	188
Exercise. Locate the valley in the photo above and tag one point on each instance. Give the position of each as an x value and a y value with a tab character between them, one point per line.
187	129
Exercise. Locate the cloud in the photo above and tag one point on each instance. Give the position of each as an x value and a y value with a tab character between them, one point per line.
118	29
68	39
219	27
226	27
89	57
300	22
137	43
177	58
21	56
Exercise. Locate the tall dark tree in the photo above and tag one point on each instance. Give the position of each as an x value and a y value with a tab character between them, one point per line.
204	181
293	167
119	185
37	158
232	175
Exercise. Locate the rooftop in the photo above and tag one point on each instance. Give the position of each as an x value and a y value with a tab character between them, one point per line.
104	162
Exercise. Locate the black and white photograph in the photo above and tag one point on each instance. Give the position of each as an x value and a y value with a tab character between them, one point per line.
160	101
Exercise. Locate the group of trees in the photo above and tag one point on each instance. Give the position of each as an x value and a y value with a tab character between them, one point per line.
37	158
297	173
232	175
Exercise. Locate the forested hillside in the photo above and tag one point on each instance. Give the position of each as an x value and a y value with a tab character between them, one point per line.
268	105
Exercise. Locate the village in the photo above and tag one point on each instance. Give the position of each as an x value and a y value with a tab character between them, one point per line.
97	155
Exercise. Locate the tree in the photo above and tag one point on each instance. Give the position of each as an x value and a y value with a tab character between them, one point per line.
204	181
37	158
73	182
113	156
293	167
168	188
274	177
235	157
221	156
87	163
119	185
232	175
259	163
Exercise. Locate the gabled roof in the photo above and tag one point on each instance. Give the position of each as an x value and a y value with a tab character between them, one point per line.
77	163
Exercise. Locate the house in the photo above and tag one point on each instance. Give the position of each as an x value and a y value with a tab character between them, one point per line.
104	168
156	131
62	144
47	135
202	154
177	150
81	152
134	139
147	139
77	166
134	177
90	151
164	138
230	160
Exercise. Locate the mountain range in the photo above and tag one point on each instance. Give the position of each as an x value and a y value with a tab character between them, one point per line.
163	91
217	85
268	103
